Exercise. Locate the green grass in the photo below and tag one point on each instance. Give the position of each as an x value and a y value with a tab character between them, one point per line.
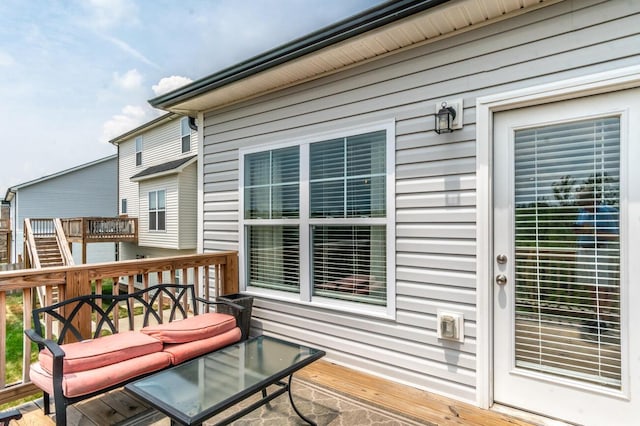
13	345
14	341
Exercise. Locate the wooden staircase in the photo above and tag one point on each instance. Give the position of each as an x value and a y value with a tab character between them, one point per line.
46	246
48	252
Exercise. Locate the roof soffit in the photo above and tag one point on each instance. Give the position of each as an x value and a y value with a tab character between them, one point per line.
425	27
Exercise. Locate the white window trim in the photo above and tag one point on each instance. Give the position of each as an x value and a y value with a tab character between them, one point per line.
600	83
157	210
304	297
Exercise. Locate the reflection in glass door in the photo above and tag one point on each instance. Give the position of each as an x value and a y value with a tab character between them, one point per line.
567	250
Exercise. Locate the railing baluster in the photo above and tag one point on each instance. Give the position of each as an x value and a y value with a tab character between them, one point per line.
26	324
3	337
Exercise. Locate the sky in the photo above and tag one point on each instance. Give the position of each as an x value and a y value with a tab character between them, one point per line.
75	74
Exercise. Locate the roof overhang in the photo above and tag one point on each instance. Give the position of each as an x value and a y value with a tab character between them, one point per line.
165	169
374	33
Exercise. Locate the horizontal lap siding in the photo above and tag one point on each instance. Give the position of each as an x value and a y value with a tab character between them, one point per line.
435	174
187	207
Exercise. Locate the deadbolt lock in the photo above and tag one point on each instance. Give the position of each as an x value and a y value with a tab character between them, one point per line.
501	259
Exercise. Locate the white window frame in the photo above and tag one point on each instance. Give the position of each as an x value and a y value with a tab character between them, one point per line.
138	149
124	206
184	125
149	211
305	222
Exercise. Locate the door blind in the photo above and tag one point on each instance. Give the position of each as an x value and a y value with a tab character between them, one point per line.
567	250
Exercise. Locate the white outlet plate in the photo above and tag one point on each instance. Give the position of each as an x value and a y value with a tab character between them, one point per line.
450	326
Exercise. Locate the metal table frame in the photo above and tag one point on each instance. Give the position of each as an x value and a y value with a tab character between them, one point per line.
278	378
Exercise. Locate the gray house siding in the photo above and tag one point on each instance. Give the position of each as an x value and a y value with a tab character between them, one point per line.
81	192
435	174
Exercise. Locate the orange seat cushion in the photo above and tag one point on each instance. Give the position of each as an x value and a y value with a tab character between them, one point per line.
191	329
106	350
181	352
84	382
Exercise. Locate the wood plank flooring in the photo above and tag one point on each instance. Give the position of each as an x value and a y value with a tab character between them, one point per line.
117	406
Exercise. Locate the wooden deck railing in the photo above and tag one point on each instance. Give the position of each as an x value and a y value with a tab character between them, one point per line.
212	274
101	229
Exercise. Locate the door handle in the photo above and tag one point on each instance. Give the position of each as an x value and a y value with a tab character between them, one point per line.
501	279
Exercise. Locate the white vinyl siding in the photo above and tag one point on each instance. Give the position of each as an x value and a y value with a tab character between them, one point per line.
162	143
167	238
435	183
187	207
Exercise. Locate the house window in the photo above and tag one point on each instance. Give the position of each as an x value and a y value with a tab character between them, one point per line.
315	219
157	210
139	151
185	134
123	206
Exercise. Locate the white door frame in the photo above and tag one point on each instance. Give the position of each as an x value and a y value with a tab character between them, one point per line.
608	81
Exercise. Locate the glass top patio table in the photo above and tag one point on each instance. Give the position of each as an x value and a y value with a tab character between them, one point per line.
198	389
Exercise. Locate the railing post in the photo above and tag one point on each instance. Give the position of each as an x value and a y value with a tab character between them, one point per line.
230	284
77	285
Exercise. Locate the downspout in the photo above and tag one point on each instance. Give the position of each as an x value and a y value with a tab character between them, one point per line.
200	198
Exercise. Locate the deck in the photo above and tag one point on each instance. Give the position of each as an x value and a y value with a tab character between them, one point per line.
117	406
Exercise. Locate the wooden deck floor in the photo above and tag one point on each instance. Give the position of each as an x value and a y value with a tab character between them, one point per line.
117	406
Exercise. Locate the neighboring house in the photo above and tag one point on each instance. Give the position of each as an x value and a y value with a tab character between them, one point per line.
447	261
87	190
157	183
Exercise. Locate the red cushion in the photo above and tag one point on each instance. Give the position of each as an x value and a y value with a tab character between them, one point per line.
191	329
106	350
182	352
84	382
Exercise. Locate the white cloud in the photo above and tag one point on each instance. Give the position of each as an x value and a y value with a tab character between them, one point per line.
110	13
6	60
167	84
131	117
130	80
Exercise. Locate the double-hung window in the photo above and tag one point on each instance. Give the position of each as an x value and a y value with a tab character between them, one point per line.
139	151
318	220
185	135
157	210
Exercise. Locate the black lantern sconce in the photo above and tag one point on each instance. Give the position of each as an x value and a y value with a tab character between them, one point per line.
444	119
448	116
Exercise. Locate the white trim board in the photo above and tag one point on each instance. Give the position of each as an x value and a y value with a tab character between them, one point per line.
623	78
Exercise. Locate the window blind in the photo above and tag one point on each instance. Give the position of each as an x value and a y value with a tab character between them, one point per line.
272	192
348	181
349	262
274	257
347	177
272	184
567	251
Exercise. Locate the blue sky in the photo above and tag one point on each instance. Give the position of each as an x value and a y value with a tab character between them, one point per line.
76	73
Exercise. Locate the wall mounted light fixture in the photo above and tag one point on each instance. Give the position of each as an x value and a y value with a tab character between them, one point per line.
448	116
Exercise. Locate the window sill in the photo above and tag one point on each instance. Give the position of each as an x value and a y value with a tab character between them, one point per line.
324	303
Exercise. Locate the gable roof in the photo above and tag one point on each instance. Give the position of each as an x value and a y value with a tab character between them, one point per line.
376	32
12	190
164	118
170	167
